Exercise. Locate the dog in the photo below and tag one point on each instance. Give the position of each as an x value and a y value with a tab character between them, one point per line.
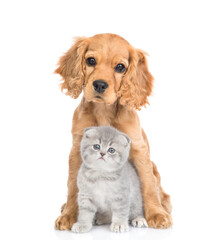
116	81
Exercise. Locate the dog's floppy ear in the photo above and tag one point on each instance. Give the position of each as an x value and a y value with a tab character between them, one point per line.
71	68
137	83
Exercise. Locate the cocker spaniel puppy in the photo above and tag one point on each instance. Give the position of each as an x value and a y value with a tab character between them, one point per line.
115	80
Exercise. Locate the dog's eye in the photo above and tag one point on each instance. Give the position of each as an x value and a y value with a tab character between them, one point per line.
120	68
96	147
111	150
91	61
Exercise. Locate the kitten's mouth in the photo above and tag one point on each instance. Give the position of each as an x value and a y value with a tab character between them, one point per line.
101	158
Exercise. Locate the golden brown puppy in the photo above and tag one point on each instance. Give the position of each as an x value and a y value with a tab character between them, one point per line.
116	81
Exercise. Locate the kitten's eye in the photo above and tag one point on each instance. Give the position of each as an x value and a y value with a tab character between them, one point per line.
96	147
91	61
111	150
120	68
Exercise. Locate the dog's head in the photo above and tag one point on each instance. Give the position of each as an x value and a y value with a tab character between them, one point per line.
106	67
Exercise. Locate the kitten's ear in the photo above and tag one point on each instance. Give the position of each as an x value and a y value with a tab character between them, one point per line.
88	132
125	137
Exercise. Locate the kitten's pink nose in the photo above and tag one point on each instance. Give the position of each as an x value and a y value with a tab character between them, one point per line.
102	154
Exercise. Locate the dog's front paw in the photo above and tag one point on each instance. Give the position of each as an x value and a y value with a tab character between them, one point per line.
81	227
160	220
139	222
119	227
64	222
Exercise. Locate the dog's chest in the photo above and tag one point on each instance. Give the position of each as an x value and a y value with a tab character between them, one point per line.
103	116
103	119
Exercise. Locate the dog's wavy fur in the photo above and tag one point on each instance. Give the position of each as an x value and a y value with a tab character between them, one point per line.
126	92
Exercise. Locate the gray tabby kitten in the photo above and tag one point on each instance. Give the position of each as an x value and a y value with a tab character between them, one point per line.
109	187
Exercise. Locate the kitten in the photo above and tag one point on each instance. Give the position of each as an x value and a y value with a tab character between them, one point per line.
109	187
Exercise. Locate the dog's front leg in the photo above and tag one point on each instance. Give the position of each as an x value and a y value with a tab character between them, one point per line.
155	214
81	120
70	209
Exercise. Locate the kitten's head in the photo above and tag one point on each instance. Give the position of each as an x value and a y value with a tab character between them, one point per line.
104	148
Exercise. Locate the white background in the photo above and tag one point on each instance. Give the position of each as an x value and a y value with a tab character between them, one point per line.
180	37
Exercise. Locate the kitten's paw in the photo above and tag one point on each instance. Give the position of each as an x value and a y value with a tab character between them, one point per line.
119	227
81	227
101	219
139	222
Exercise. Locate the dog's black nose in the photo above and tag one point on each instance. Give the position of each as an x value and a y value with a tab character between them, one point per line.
100	86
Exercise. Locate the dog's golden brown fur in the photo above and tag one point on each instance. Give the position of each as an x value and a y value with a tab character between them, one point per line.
126	92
